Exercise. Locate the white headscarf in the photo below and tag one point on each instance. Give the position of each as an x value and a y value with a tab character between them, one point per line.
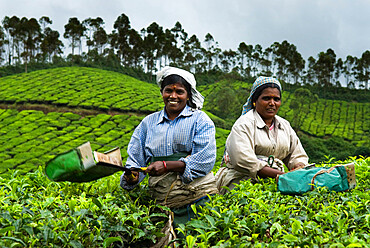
197	98
259	82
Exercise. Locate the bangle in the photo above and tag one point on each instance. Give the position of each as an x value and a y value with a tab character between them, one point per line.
165	165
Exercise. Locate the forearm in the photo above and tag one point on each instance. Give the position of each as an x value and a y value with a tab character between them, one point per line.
175	166
161	167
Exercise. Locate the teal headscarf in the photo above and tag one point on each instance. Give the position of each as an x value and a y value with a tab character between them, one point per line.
259	82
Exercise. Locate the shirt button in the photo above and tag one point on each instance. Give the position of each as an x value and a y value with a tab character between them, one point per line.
169	144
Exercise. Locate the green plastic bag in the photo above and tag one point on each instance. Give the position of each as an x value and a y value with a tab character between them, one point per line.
78	165
337	178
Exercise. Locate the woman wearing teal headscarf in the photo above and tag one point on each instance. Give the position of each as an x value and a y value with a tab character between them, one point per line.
260	142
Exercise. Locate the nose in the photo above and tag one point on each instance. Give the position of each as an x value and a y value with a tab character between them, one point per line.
173	94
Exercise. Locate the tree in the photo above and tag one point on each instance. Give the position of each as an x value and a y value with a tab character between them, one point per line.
51	45
266	62
120	36
94	25
348	69
74	30
2	42
311	76
209	51
288	61
245	53
362	69
44	21
136	48
30	35
192	50
228	60
153	45
339	68
100	40
169	46
325	67
256	59
11	27
180	34
296	65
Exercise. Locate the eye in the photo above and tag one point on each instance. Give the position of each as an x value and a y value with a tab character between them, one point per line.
180	92
277	99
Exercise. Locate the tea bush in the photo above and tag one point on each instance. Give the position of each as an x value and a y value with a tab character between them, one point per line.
35	212
256	215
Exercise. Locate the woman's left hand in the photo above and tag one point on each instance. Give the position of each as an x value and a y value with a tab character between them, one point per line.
298	166
156	168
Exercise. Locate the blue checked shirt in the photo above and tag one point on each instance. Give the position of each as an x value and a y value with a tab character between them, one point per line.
192	132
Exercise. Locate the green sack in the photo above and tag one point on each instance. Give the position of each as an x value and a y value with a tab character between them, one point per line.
79	165
337	178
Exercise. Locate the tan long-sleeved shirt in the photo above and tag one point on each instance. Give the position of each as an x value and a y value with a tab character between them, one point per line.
250	136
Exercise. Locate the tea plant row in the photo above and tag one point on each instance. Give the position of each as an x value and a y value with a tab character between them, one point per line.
321	118
91	88
83	88
333	118
35	212
255	215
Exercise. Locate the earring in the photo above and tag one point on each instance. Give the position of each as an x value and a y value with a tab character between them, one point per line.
254	104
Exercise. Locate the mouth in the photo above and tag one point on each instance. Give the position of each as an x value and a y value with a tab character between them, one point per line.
270	110
173	102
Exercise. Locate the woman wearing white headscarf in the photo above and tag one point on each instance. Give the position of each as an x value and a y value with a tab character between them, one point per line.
178	145
260	142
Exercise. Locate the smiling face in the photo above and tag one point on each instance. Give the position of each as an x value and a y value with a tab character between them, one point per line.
268	104
174	98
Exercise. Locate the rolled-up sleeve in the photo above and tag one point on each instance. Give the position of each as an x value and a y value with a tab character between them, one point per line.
203	155
240	148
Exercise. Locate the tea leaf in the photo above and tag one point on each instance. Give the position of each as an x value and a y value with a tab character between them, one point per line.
108	241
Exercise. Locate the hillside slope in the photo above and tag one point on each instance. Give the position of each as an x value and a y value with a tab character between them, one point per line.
323	118
81	87
30	138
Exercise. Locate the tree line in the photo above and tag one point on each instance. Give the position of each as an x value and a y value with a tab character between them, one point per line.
24	40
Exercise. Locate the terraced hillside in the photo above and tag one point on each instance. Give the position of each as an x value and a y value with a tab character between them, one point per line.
323	118
30	138
333	118
81	88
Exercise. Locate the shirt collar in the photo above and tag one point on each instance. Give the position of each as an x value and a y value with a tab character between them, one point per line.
187	111
261	124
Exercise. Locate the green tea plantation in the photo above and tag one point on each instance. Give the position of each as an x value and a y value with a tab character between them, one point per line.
48	112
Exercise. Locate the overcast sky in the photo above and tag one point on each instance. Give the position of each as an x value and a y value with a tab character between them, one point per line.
312	26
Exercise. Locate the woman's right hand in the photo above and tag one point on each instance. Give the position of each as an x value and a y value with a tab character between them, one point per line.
156	168
133	178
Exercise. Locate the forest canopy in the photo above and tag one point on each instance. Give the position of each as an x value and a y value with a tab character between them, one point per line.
24	41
